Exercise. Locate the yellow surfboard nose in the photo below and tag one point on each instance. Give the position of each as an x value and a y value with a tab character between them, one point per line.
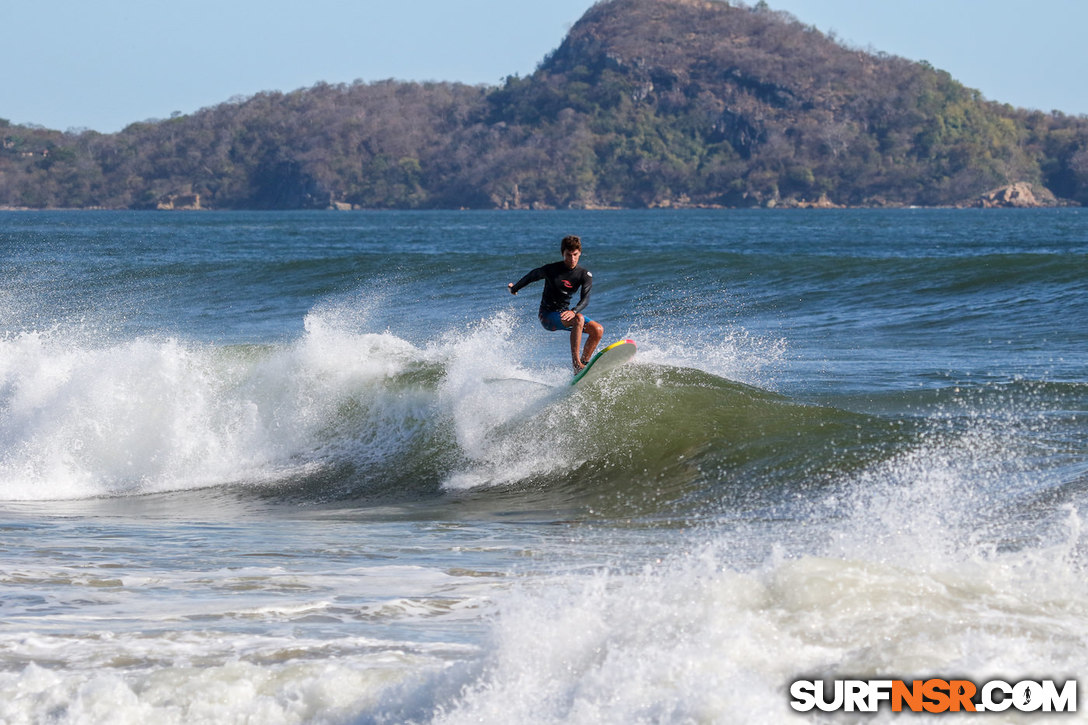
611	357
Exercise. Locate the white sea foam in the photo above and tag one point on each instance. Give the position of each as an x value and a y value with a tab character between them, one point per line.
499	408
912	566
899	572
690	637
245	642
81	419
517	420
729	352
692	640
291	681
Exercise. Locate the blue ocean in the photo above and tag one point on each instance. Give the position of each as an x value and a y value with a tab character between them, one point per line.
321	467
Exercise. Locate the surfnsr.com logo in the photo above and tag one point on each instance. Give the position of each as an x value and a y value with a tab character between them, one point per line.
933	695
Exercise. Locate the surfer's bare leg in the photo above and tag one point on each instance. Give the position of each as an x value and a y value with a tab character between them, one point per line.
576	341
595	332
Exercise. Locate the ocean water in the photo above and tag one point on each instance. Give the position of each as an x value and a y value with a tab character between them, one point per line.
323	468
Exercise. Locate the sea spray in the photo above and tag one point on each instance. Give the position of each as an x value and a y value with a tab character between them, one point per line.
157	414
852	445
698	635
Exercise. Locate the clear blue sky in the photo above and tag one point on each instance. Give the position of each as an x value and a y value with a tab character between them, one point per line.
103	64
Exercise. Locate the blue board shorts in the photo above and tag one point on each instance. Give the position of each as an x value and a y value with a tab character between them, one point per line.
551	321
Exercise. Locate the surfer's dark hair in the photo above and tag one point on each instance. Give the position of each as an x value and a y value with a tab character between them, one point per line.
571	243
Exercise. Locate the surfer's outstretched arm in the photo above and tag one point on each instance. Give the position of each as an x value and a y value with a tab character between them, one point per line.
531	277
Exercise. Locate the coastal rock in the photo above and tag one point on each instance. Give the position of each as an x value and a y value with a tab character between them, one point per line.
821	203
791	203
179	202
1020	195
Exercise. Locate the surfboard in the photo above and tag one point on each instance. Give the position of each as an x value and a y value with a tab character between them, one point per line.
611	357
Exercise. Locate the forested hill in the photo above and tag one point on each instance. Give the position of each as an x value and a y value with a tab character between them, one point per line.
645	103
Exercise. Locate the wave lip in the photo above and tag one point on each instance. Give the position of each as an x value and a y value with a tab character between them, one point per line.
346	415
338	413
148	415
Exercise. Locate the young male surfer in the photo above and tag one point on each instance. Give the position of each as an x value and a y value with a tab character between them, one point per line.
560	281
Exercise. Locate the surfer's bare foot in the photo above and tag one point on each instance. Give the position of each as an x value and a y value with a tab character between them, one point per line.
578	365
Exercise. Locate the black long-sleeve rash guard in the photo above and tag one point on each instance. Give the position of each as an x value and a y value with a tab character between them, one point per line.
559	285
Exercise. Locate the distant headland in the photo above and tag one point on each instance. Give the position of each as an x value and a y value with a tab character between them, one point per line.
645	104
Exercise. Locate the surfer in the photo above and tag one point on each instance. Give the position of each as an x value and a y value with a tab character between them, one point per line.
561	279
